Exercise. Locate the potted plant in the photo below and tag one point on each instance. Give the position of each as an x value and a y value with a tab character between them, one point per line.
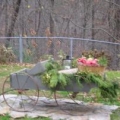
90	65
93	61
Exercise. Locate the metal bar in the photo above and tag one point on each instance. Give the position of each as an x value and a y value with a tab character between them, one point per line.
8	37
62	38
20	49
71	48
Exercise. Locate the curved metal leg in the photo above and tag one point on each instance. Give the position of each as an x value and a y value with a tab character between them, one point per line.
22	100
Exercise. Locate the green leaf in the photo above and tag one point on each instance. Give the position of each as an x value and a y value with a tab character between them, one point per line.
48	66
62	80
53	72
103	61
53	81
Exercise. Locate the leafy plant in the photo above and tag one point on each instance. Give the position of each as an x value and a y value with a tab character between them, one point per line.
74	63
54	80
103	61
107	89
61	54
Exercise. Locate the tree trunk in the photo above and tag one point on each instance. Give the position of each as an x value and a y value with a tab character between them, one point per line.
15	13
6	17
117	21
93	26
52	28
117	32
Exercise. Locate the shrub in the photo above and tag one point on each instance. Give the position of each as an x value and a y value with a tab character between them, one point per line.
6	54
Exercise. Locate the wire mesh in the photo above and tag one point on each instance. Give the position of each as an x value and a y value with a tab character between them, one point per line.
35	49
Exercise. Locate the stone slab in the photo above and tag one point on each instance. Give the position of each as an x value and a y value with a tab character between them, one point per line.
64	109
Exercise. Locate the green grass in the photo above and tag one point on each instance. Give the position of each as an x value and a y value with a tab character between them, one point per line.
113	75
39	118
5	70
93	96
115	115
7	117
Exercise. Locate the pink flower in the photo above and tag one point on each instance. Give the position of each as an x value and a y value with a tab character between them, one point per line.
95	62
82	60
88	62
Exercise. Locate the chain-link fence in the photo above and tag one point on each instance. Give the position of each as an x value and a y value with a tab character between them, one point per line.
34	49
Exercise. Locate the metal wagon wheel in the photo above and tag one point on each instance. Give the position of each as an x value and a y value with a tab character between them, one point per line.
21	100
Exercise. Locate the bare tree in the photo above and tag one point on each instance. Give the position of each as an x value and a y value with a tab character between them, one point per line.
117	21
15	13
94	19
52	27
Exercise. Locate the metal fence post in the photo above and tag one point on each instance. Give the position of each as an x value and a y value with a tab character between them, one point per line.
71	48
20	49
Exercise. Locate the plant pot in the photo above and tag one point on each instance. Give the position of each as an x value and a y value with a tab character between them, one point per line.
93	69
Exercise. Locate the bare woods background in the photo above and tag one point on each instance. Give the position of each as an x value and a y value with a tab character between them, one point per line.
86	19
